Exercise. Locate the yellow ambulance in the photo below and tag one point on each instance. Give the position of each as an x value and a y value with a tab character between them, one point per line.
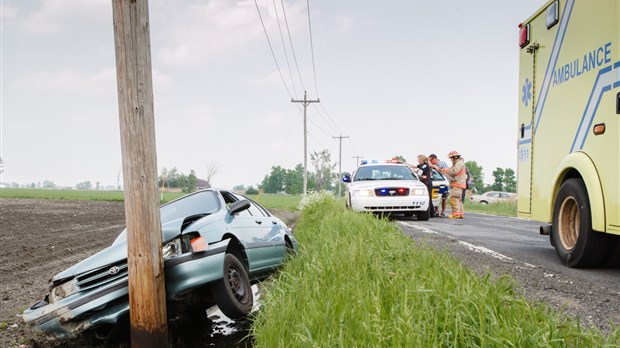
569	128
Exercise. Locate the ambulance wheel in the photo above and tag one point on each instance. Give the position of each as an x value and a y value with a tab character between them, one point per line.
613	256
575	242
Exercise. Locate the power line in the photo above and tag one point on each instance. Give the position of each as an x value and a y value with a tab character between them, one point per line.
316	89
291	42
271	49
330	122
284	46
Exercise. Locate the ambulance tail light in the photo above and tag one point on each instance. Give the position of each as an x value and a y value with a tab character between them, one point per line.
524	35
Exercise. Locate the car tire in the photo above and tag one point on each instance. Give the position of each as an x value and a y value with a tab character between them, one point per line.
613	256
233	293
484	202
290	251
423	215
575	242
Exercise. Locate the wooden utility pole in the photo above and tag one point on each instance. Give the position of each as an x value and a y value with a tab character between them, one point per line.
340	163
305	102
147	293
357	160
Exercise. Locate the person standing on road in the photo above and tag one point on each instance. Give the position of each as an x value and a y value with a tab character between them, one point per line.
427	179
439	166
458	183
468	180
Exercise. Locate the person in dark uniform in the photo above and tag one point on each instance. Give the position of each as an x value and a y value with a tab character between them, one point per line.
427	179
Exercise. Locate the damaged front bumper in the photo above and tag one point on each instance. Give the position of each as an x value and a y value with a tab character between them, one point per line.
102	298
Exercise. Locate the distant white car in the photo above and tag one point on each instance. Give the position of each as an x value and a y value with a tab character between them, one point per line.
493	197
387	187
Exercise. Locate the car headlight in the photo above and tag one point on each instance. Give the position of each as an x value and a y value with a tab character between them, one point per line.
172	248
362	193
419	192
63	290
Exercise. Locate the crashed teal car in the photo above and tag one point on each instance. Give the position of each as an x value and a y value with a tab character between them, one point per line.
216	244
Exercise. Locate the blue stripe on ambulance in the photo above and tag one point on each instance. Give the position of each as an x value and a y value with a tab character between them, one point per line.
553	59
617	73
602	84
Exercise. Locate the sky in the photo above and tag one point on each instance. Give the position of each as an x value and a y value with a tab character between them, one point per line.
401	77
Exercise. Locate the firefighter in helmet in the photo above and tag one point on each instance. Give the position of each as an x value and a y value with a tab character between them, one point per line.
458	183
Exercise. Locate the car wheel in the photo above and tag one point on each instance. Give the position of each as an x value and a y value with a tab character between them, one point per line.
484	202
423	215
575	242
233	293
290	251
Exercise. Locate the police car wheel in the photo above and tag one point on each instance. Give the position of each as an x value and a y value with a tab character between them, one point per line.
575	242
423	215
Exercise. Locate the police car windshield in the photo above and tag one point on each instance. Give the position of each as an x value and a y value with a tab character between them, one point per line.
384	172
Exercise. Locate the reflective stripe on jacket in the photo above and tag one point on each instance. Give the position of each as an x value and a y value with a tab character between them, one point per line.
457	174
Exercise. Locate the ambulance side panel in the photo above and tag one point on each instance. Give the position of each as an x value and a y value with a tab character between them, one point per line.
574	81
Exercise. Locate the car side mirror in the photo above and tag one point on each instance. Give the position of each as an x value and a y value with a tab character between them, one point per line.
239	206
346	178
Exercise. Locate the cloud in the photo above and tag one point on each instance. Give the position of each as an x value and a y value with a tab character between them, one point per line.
67	80
61	16
191	34
8	11
344	23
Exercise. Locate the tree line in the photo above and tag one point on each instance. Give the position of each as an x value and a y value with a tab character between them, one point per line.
324	177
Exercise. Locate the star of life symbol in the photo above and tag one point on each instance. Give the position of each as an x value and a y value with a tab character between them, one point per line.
527	92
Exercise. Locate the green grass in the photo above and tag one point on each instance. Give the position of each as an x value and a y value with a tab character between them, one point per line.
286	202
81	195
502	208
76	195
271	201
357	281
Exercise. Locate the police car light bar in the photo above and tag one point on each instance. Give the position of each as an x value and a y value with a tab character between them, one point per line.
362	162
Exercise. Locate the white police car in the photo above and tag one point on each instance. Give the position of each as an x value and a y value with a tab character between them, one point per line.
387	187
441	187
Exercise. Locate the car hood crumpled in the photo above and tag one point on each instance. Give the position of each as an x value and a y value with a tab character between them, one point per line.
115	252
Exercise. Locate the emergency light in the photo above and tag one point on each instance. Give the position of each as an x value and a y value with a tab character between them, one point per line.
551	14
524	35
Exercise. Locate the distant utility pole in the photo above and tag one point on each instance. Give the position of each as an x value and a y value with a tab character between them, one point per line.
340	161
147	292
305	102
357	160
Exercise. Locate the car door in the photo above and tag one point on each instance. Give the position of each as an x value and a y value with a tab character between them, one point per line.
262	236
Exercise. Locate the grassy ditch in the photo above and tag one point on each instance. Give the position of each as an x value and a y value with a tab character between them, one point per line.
508	208
357	281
